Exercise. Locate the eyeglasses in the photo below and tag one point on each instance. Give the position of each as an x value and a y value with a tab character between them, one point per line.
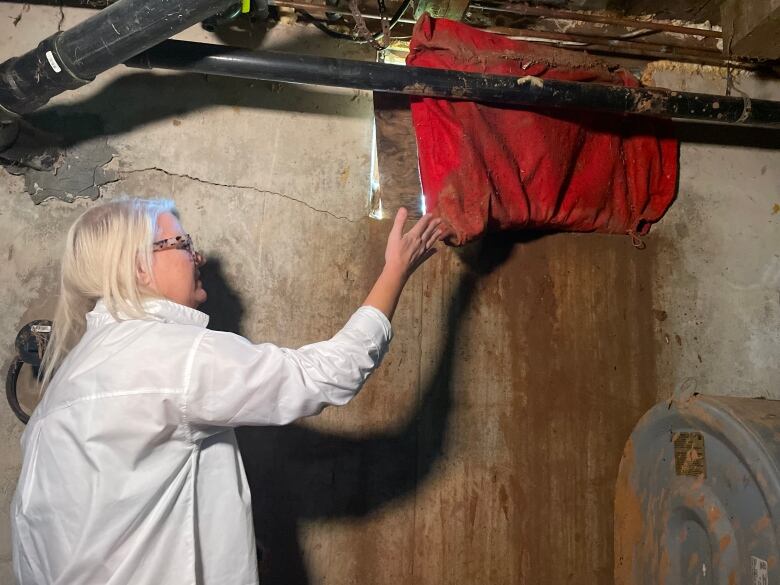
179	243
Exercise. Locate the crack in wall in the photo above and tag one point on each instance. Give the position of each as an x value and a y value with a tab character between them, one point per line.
94	184
17	19
123	173
62	15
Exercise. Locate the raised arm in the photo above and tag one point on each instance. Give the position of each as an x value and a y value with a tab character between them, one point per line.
233	382
404	254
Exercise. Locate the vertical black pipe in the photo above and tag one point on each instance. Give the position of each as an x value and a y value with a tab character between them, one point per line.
73	58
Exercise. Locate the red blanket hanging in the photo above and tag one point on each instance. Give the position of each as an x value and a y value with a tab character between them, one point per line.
488	167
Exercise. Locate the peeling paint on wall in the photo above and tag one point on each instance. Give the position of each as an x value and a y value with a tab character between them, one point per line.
79	173
61	156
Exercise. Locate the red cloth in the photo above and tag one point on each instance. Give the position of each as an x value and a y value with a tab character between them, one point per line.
489	167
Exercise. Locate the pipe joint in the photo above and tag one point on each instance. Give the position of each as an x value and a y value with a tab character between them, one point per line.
29	81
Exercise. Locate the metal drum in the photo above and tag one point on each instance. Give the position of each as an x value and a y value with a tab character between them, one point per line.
698	495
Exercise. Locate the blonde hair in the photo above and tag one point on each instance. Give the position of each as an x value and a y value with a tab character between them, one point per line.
104	250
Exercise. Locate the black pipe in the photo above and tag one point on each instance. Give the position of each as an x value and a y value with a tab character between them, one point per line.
528	91
73	58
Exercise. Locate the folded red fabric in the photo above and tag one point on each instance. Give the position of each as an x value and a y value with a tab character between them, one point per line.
489	167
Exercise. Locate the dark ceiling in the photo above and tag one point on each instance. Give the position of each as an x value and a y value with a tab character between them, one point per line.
687	10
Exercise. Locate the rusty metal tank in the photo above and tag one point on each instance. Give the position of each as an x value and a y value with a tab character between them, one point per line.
698	495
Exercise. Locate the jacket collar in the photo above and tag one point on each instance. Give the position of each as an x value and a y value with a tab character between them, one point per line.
156	310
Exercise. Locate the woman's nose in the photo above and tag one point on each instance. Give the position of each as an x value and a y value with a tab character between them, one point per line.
199	258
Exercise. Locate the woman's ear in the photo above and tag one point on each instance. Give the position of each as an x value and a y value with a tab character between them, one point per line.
143	276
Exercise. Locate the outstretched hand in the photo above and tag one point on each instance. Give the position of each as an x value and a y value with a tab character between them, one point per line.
407	251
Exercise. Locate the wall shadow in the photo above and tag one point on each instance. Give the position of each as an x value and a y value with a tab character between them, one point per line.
701	133
223	305
299	474
144	98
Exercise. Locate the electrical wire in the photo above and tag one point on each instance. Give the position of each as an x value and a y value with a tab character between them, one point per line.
347	37
10	389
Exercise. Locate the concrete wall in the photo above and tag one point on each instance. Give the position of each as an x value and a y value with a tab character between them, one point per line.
488	443
717	253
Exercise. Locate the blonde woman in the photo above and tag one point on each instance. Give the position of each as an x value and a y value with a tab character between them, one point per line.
131	472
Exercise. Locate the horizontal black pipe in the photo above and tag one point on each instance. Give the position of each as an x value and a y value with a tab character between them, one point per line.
74	57
420	81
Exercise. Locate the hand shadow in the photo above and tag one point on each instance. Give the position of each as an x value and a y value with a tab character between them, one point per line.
299	474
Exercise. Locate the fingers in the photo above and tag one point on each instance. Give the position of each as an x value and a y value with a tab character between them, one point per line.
423	229
433	238
412	249
448	235
430	229
398	224
427	254
422	224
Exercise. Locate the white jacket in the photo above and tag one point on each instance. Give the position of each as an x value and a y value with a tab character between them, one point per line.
131	472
